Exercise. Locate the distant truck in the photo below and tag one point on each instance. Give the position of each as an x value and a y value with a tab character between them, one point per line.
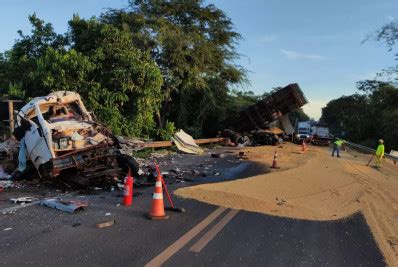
320	135
303	132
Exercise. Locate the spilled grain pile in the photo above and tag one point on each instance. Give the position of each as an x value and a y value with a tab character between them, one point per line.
314	186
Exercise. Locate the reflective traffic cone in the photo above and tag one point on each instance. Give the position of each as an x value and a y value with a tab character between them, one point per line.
172	208
303	146
157	206
274	162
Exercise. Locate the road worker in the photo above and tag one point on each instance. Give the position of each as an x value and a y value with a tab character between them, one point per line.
336	147
379	153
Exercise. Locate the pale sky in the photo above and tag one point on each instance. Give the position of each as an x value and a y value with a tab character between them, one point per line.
314	43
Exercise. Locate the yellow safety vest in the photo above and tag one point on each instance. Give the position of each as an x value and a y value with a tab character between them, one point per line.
339	143
380	150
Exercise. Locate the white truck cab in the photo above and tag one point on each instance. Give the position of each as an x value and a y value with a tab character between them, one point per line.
59	134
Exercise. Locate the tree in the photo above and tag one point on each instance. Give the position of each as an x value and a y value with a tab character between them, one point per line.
348	114
120	83
367	117
22	58
298	115
194	46
388	34
130	83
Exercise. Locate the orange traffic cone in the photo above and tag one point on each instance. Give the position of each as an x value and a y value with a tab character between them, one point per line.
303	146
157	206
274	162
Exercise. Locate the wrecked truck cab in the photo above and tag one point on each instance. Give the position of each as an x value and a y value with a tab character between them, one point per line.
61	135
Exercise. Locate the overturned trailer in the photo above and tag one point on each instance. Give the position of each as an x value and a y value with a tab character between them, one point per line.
274	106
58	135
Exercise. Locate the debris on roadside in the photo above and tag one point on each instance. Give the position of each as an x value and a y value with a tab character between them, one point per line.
185	143
195	172
280	201
7	229
235	138
79	142
274	107
105	224
266	122
67	206
9	149
9	212
6	184
217	155
241	155
23	200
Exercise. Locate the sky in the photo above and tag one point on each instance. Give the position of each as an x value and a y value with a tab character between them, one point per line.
317	44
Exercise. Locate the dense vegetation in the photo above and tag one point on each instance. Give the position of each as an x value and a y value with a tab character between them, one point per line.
371	113
143	70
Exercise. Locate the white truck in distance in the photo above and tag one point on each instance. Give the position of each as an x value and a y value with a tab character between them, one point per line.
320	135
303	132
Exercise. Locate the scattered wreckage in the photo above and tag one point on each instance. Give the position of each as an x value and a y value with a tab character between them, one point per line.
273	107
58	136
261	123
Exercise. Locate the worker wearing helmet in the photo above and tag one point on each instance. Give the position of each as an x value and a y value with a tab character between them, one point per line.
336	147
379	153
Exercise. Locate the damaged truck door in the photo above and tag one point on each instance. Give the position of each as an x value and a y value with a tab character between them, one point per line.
37	140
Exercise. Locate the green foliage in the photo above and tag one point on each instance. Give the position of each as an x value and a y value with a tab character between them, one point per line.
167	60
15	91
61	71
235	101
130	82
120	83
348	114
365	118
298	115
167	132
194	46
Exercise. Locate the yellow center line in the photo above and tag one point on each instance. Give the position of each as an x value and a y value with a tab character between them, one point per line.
182	241
198	246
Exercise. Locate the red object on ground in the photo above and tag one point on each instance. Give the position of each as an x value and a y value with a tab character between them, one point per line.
274	162
303	146
128	190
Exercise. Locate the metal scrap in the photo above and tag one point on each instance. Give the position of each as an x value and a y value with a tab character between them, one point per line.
67	206
23	200
105	224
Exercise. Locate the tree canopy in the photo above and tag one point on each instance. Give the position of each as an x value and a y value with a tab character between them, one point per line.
372	113
138	68
194	46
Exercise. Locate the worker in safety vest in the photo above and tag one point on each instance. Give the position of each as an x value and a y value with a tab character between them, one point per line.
336	147
379	153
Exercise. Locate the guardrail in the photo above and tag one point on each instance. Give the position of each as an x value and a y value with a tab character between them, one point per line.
370	150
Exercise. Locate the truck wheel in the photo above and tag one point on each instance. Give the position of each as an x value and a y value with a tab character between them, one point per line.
125	162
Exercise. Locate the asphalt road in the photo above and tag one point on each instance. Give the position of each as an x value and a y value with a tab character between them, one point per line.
204	235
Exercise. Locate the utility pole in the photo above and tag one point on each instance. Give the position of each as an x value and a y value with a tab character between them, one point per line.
11	113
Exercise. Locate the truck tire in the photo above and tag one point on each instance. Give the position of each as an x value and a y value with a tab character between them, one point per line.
125	162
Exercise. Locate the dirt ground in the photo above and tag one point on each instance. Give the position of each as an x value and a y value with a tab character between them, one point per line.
314	186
